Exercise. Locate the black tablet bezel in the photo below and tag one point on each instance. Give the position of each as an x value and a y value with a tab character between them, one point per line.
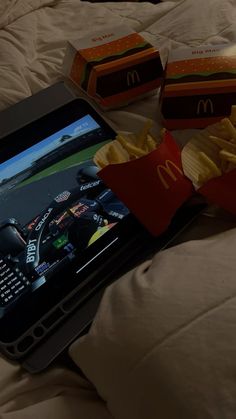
27	312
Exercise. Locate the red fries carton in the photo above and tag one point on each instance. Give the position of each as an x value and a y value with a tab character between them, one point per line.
221	191
209	161
153	186
114	66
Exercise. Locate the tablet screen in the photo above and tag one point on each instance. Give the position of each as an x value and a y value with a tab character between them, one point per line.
53	207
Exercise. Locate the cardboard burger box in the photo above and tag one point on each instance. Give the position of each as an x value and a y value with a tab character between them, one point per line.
114	66
199	86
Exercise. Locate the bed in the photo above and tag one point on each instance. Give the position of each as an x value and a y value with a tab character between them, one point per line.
162	345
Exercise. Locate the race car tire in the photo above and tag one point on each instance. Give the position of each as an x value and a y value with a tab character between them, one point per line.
11	241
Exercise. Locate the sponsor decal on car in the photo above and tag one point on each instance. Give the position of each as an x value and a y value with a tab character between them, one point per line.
31	251
43	219
62	197
90	185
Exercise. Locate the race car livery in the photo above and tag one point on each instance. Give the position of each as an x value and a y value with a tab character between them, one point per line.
71	222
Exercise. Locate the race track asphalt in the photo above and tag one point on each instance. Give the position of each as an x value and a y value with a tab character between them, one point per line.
26	202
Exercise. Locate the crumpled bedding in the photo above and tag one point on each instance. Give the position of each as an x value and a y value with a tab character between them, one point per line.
33	35
163	342
57	393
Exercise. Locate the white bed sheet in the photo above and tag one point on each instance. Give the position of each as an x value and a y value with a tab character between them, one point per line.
162	345
33	35
57	393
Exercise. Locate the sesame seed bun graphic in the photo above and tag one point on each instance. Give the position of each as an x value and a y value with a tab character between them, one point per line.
201	66
113	48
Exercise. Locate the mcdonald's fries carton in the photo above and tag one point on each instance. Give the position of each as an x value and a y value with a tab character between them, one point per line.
152	186
199	86
209	161
155	184
114	66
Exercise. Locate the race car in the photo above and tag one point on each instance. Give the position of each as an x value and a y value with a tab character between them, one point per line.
69	224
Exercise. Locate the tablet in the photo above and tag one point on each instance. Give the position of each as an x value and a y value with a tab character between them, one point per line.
60	226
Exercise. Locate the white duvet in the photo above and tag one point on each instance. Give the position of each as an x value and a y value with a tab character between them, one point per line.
33	35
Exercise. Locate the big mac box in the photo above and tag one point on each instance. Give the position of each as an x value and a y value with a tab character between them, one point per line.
199	86
114	66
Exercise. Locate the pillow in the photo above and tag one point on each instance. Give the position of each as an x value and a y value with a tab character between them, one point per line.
163	342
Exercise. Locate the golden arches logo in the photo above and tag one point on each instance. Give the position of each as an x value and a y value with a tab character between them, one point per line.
161	169
132	77
204	104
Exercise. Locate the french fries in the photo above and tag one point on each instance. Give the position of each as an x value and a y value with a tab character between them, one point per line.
212	152
209	154
127	147
141	140
224	144
210	164
227	156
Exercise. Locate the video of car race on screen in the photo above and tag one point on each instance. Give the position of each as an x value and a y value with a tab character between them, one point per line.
53	203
